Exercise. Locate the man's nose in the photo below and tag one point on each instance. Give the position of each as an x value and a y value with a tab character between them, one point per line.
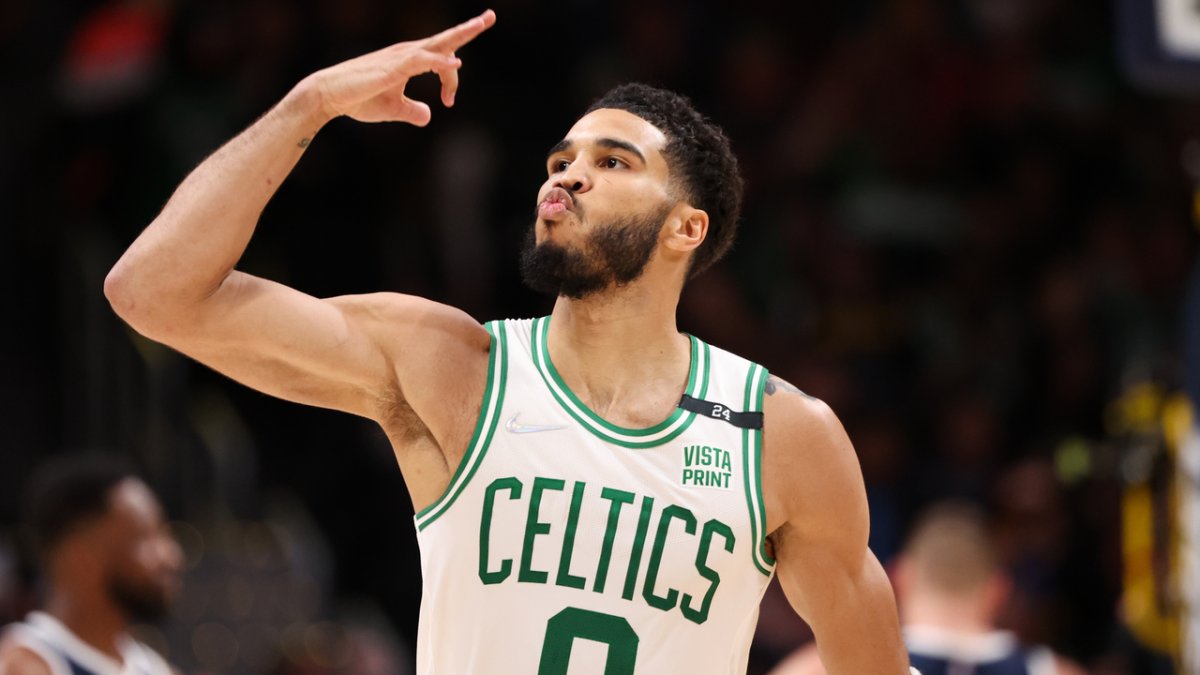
576	178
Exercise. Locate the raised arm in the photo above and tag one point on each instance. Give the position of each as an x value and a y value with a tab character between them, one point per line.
363	354
817	507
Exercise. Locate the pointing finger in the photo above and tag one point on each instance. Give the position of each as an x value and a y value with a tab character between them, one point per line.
453	38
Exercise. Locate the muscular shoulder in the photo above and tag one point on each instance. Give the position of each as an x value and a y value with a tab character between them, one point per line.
793	417
811	475
439	355
16	659
411	316
431	344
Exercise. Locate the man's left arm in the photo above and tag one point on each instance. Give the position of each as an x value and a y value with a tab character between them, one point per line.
818	519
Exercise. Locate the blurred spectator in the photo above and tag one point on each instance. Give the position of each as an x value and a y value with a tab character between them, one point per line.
951	590
108	560
1032	542
114	55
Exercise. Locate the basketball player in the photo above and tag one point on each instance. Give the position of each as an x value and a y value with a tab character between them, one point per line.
109	561
593	486
951	590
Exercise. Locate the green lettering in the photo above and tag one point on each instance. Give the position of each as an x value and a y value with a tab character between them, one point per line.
485	526
673	511
534	527
565	578
639	542
726	465
710	528
687	475
619	498
571	623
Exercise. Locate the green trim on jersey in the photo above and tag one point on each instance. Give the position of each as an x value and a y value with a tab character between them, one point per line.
676	423
759	390
756	380
485	426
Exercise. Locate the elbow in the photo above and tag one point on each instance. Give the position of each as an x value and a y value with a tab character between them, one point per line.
117	290
128	299
152	305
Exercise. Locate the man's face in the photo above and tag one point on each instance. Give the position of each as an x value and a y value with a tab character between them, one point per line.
143	561
600	211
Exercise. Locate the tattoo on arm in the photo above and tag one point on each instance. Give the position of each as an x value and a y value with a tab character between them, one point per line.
775	384
304	142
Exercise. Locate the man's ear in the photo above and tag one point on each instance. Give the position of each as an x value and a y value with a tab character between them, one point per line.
687	229
996	592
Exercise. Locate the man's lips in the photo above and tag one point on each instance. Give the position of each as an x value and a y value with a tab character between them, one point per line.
556	202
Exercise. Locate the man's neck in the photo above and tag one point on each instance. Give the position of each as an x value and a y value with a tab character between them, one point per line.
962	616
617	343
93	621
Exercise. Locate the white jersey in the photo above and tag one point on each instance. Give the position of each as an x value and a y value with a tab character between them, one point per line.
567	544
66	654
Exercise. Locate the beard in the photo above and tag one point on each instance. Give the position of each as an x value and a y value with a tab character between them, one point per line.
139	601
613	255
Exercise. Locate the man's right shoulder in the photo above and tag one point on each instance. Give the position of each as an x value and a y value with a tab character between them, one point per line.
18	659
398	311
416	331
439	355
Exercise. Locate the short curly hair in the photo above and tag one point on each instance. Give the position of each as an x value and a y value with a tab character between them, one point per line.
67	493
698	154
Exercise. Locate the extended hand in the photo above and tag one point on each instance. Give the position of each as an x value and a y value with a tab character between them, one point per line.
370	88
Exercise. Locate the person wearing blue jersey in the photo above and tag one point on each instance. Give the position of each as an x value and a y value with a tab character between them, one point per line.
951	589
593	485
108	561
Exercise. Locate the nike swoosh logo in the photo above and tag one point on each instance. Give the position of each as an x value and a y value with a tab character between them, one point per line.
515	427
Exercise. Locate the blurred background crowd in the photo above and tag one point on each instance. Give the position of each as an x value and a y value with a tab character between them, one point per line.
964	229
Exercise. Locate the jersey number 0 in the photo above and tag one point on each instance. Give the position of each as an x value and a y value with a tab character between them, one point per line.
571	623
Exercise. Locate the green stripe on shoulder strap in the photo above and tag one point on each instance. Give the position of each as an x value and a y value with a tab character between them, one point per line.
756	379
485	426
758	442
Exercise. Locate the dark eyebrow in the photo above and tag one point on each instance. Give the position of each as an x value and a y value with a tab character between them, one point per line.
610	143
560	146
615	144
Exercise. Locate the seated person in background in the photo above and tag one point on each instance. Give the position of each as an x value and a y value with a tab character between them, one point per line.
107	559
950	589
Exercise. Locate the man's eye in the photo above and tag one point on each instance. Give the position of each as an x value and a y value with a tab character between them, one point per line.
559	165
613	163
